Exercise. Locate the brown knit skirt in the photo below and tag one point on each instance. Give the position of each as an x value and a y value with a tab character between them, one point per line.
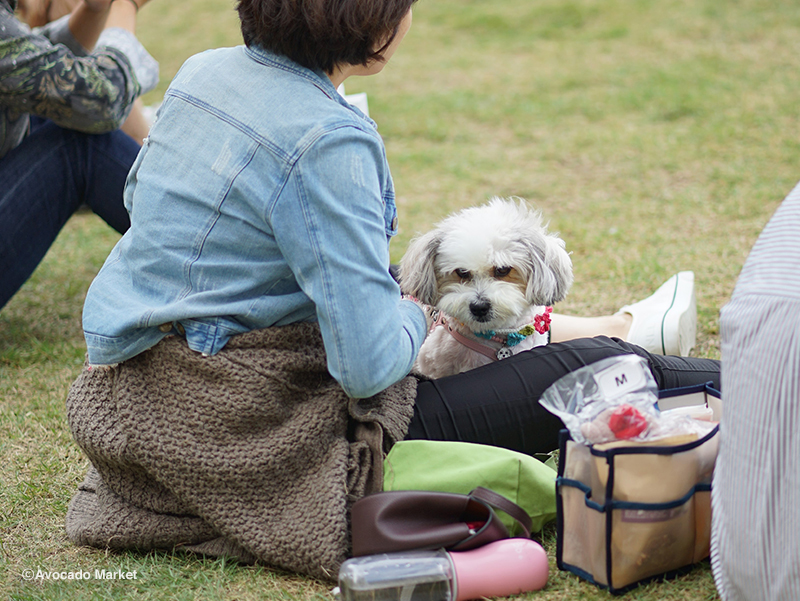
255	453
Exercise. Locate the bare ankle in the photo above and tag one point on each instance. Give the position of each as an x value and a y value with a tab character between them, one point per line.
625	321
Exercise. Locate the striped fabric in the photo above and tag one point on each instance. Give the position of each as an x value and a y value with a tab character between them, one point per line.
755	548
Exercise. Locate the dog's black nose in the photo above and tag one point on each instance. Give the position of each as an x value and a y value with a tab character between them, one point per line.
480	309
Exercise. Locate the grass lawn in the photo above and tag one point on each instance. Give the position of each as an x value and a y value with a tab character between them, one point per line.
655	136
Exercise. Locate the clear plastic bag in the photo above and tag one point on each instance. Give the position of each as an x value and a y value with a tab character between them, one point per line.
612	400
608	400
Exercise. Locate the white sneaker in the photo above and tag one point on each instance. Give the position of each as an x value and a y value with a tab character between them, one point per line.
665	323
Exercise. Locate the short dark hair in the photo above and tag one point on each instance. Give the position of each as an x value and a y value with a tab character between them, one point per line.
321	34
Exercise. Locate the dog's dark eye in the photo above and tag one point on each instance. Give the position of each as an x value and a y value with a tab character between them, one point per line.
501	272
463	274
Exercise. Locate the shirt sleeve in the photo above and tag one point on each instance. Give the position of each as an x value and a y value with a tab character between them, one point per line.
47	73
335	241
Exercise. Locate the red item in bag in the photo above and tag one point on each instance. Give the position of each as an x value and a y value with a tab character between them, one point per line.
627	421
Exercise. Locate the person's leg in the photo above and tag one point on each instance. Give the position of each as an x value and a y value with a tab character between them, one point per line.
499	404
102	175
664	323
42	183
571	327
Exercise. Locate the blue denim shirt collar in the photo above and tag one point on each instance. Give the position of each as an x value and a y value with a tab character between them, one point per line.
318	77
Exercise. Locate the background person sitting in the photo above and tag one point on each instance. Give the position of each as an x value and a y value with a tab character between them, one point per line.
64	90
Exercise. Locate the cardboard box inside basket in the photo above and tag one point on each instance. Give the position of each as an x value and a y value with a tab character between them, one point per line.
629	512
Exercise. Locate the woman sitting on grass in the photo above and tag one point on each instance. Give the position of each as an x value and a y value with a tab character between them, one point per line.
248	348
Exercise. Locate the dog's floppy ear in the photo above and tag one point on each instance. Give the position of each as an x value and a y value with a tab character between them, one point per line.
417	273
552	270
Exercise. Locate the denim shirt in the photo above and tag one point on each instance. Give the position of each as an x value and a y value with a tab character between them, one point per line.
260	198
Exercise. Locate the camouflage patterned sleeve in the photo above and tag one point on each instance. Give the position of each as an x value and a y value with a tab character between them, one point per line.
46	73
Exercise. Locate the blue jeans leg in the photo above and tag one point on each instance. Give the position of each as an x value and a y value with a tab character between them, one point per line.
44	180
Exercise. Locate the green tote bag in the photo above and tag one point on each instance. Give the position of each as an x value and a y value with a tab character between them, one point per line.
458	467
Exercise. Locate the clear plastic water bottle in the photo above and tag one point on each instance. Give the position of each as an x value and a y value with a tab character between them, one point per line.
501	568
410	576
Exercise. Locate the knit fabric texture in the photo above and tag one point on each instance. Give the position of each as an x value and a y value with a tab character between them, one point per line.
254	453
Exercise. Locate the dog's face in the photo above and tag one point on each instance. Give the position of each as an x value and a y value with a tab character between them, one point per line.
485	266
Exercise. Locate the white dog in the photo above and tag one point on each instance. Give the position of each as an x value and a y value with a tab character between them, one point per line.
491	272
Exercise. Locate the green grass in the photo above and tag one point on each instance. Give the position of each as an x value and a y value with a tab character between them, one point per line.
655	136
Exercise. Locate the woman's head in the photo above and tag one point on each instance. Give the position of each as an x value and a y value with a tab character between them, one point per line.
323	34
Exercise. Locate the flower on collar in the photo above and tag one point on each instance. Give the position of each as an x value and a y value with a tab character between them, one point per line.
542	322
